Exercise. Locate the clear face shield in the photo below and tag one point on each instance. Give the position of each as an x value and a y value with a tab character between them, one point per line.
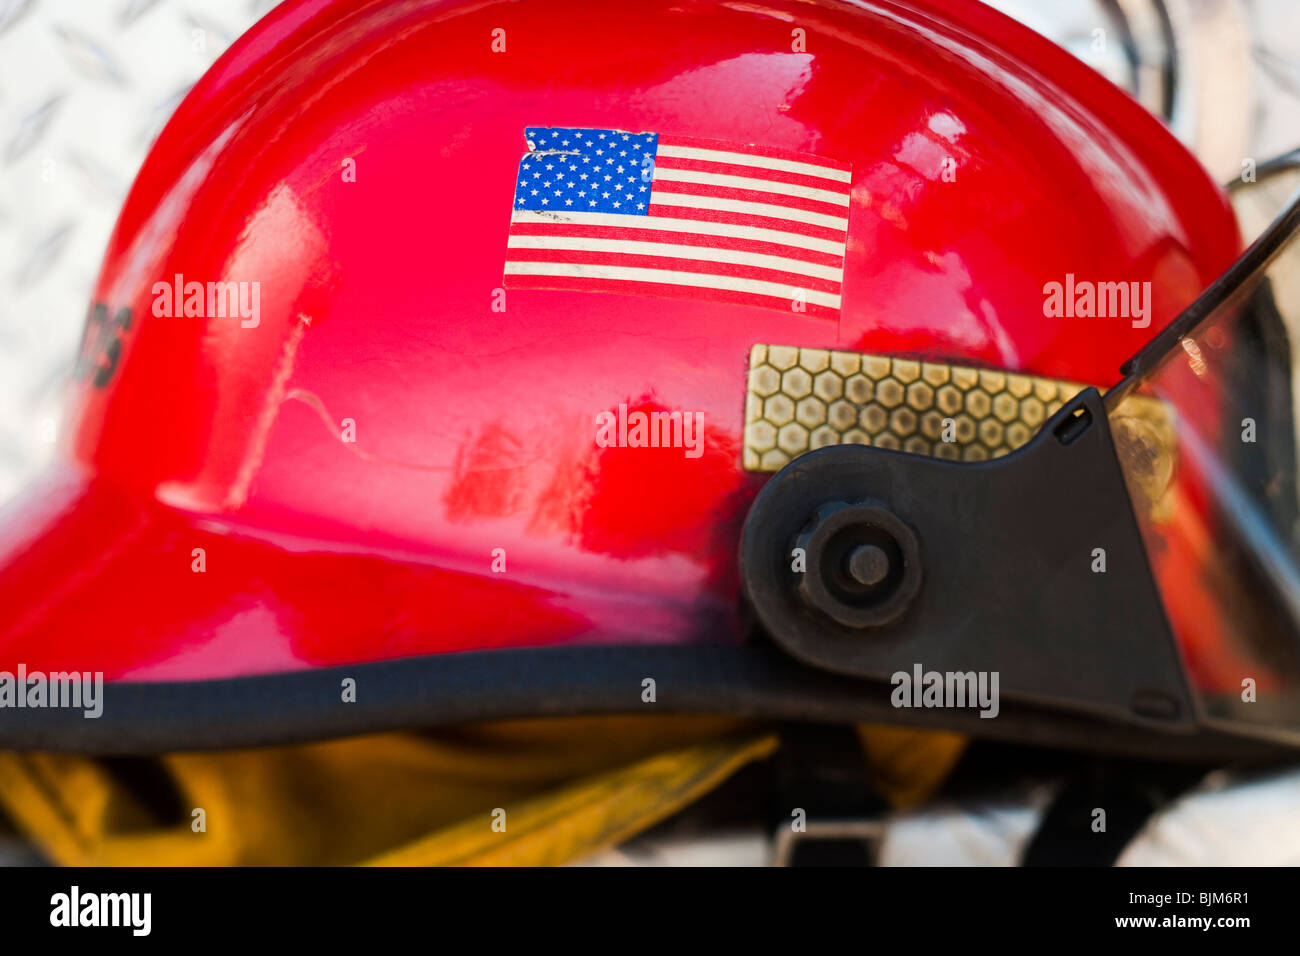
1205	429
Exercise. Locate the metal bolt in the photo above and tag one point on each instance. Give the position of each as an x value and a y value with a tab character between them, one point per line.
868	565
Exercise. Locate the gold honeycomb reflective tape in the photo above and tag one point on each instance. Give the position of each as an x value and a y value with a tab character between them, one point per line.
801	399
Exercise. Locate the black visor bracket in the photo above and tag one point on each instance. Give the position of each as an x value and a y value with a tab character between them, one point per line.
871	563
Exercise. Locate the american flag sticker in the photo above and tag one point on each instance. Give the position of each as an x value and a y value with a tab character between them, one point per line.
605	210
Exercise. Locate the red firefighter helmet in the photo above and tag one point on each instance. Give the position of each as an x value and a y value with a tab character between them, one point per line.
445	347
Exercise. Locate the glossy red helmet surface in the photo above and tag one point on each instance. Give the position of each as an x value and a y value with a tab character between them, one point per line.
394	454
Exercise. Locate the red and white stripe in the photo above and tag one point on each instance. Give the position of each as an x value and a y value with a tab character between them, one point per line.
730	223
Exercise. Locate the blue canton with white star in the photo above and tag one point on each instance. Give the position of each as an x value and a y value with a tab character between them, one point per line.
586	170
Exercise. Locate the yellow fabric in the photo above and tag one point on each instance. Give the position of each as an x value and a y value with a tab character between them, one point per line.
336	802
568	788
906	766
596	813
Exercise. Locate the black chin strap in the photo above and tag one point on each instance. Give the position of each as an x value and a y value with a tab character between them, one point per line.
1099	811
824	812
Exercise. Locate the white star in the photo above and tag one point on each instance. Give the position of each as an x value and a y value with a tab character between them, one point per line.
640	205
568	202
545	200
617	204
605	195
